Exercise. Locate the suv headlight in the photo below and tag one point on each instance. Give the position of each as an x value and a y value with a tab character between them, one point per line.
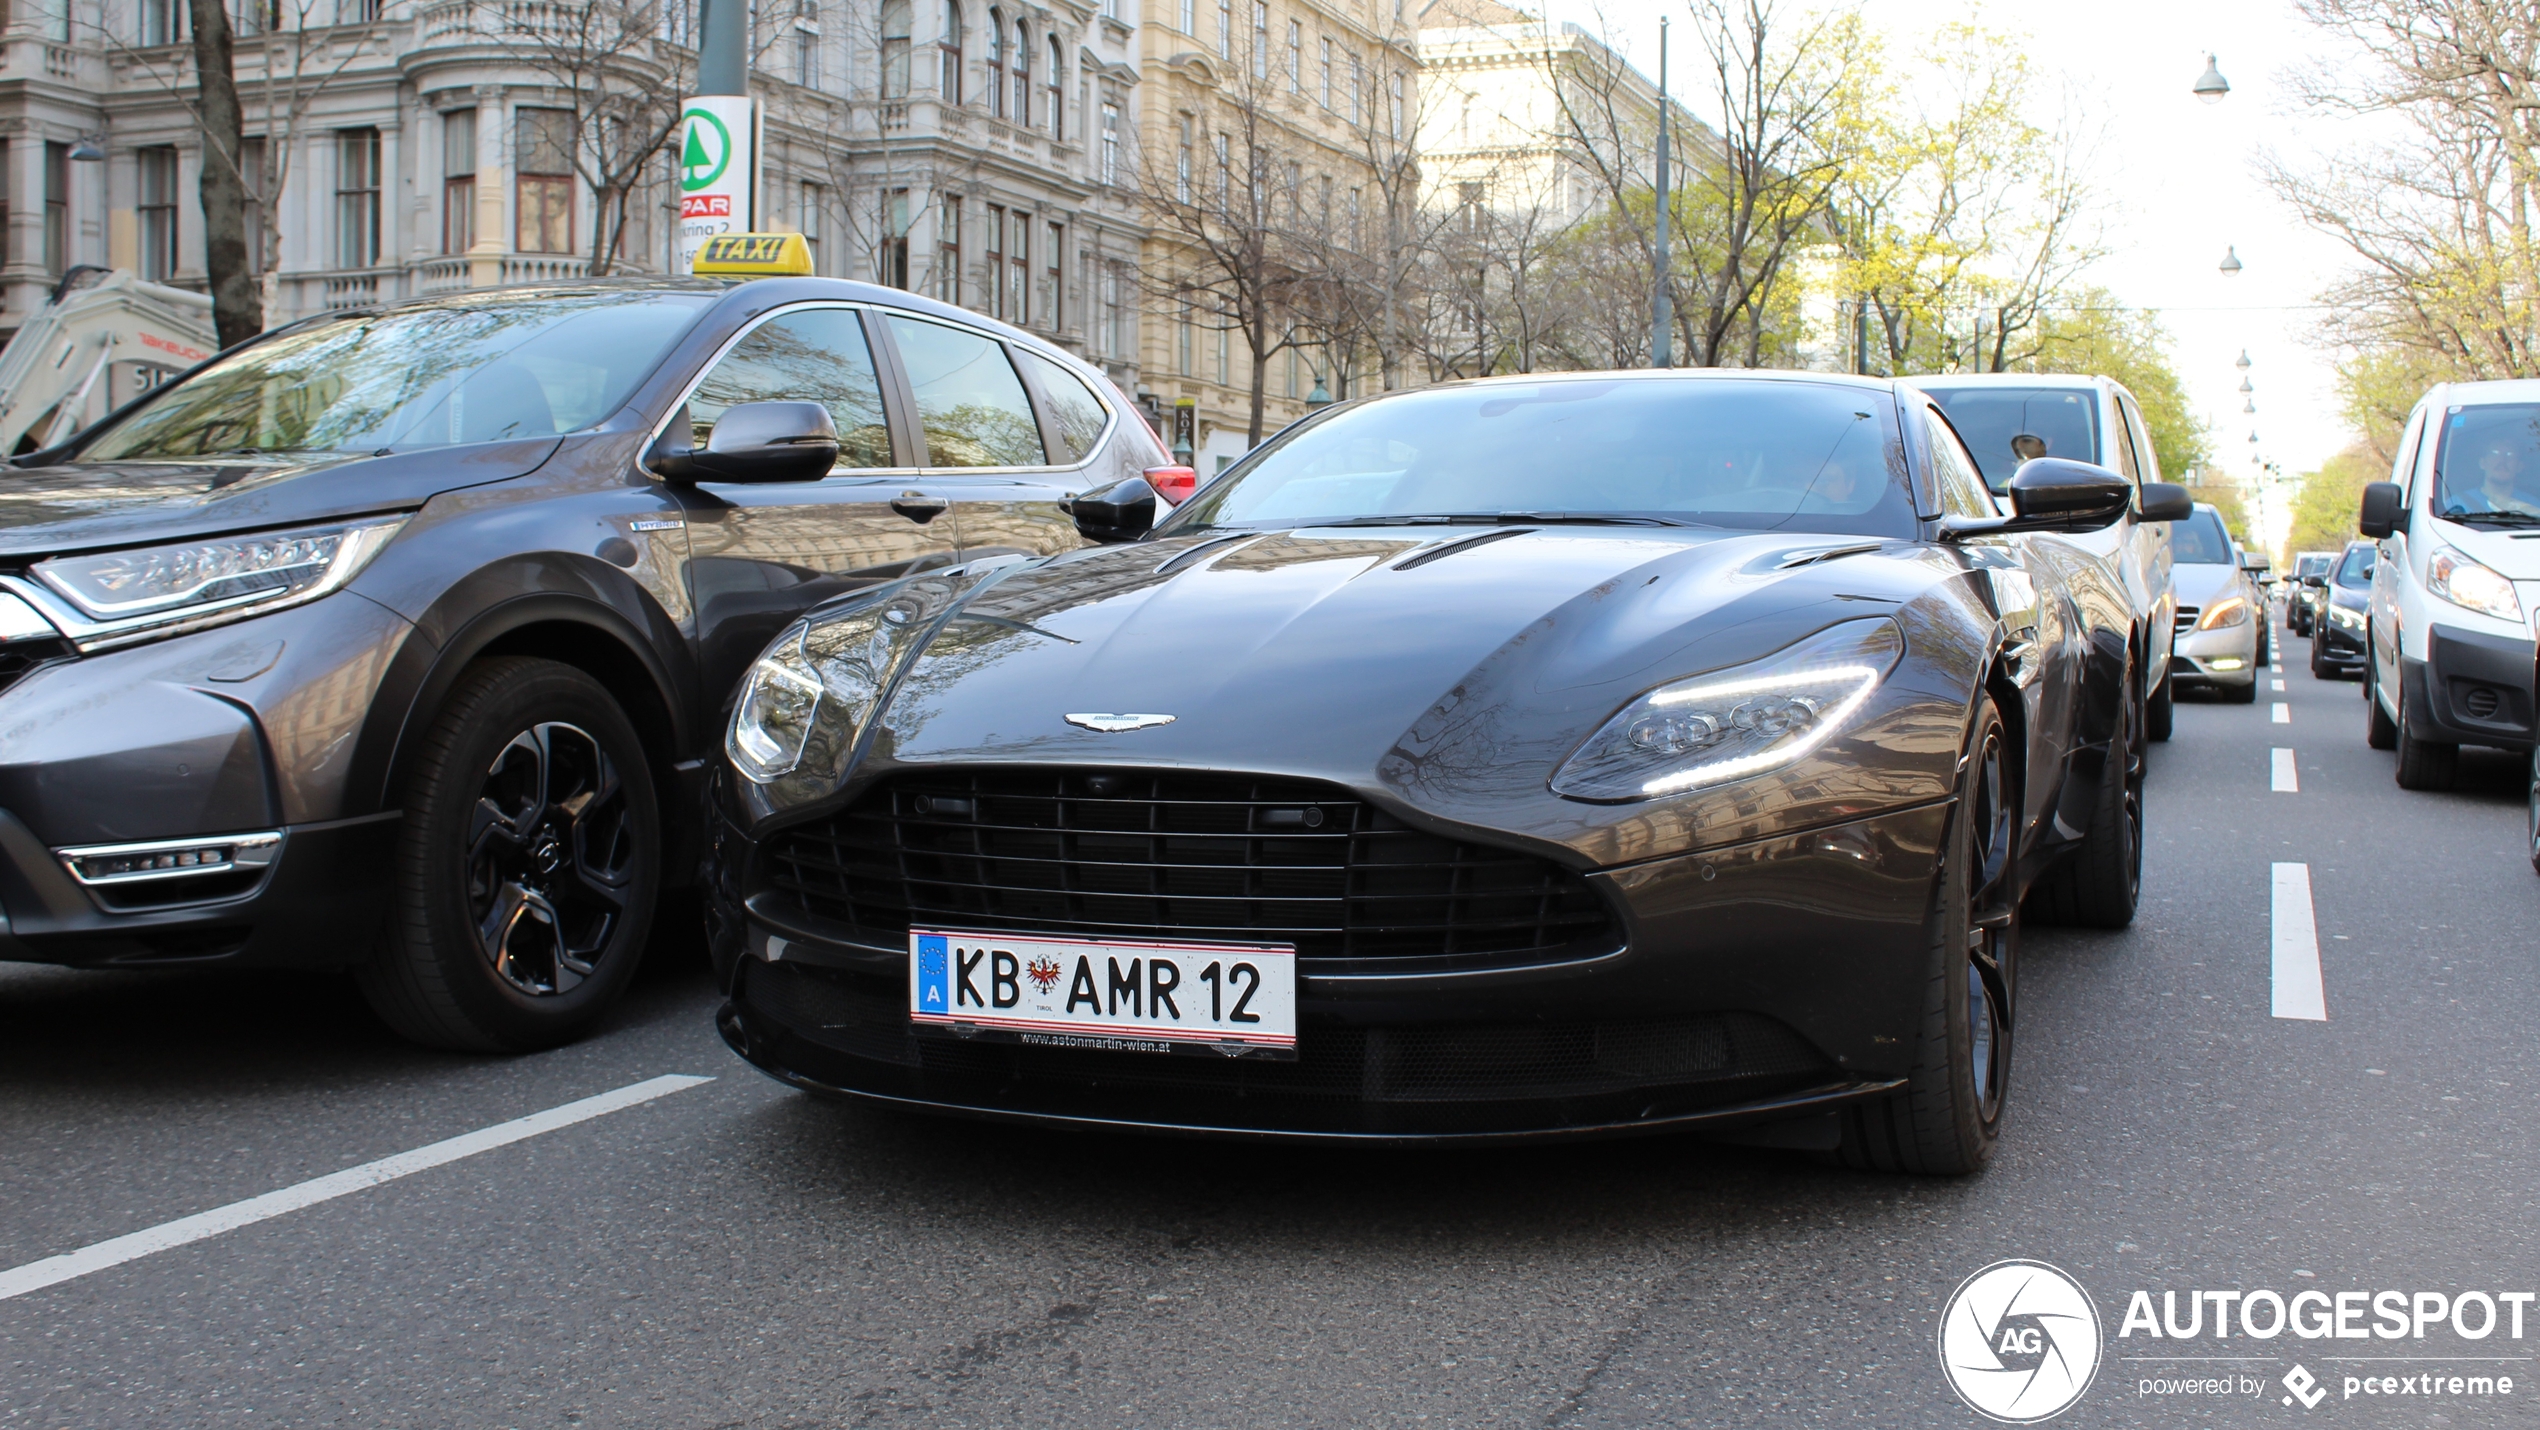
808	697
2229	611
2473	587
1736	723
197	583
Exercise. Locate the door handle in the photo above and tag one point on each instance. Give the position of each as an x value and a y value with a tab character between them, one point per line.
918	506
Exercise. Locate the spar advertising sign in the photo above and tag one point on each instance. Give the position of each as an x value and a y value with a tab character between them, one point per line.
718	168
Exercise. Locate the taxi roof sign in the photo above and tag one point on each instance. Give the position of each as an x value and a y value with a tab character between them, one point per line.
754	255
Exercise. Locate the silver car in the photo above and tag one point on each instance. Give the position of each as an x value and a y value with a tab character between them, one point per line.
2221	613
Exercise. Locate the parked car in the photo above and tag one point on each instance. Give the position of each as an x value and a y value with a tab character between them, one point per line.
400	639
2262	582
2220	612
2448	655
2007	418
2337	640
2306	594
1581	754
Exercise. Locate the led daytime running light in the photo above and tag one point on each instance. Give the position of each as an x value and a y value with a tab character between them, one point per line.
1822	724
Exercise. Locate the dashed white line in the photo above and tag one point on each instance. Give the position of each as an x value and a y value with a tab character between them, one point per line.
2279	685
2285	780
2296	974
2283	713
53	1270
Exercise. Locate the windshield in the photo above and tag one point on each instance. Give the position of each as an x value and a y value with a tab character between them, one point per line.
2487	470
2313	565
1801	456
2356	570
483	368
2201	540
2005	426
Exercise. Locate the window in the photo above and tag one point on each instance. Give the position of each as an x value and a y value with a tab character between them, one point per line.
354	12
246	17
1291	374
1357	90
6	174
1022	74
157	212
1053	283
1018	270
1058	118
1296	58
161	22
1327	71
810	355
812	215
1225	355
356	198
948	248
895	20
543	152
57	208
1225	172
996	63
1226	29
1962	492
458	181
1260	39
1077	413
1182	342
948	51
1190	20
892	259
806	56
969	401
1349	219
1112	338
1393	108
1111	144
1182	167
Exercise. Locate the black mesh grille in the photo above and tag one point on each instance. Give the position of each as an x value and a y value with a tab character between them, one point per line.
20	658
1136	853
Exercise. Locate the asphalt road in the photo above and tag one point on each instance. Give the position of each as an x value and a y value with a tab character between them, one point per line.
735	1254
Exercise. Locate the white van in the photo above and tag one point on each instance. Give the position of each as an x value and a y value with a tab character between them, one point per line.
2448	647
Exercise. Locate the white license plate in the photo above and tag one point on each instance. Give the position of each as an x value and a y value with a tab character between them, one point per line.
1125	995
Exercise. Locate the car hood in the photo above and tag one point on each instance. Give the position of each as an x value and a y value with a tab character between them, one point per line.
1455	669
2512	554
2201	583
75	506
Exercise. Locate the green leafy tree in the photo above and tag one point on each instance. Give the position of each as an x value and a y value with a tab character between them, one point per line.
2096	336
2324	511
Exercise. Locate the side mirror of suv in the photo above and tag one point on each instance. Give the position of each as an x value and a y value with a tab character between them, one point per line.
753	442
2384	510
2165	501
1123	511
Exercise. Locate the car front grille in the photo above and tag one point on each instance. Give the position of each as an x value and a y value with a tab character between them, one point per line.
1417	1077
1149	853
2187	618
20	659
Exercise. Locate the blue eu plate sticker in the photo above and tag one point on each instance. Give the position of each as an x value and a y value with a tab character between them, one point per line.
934	986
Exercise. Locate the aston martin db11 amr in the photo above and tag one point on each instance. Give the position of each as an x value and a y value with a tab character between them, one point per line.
1571	755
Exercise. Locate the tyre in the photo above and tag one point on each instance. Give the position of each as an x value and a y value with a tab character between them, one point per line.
2099	881
1948	1117
2534	827
2423	763
2320	669
2380	731
527	870
2241	694
2160	713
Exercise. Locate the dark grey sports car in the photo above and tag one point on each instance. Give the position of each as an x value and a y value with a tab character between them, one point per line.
1582	754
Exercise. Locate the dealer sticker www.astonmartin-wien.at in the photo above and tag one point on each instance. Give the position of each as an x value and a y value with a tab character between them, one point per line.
1116	995
2021	1341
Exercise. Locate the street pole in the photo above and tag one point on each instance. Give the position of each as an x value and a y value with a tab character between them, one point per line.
1659	319
718	133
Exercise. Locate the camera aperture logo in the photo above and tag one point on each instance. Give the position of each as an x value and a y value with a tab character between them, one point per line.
2019	1341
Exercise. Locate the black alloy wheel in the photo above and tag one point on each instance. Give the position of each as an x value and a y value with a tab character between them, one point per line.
2380	731
528	867
2099	882
1947	1120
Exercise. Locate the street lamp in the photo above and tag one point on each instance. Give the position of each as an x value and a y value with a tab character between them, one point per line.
2231	262
2244	383
2243	364
2248	407
2211	86
1319	398
88	149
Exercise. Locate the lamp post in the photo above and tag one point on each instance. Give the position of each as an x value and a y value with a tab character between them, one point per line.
2231	262
2211	86
1320	397
716	149
1659	319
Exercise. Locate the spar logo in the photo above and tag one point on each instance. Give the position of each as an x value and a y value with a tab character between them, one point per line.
2019	1341
706	153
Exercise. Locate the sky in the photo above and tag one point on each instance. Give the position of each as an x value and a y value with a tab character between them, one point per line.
2182	186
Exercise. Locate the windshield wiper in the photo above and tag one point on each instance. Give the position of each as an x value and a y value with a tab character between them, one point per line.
1502	518
2492	518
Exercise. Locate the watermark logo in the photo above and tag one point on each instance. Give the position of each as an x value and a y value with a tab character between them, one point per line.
2019	1341
2306	1388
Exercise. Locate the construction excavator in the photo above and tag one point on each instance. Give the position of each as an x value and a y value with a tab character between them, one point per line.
102	338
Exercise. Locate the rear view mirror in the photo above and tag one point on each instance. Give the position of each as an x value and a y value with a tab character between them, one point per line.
1123	511
2165	501
2384	510
753	442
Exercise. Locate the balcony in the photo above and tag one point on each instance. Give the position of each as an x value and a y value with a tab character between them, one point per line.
301	294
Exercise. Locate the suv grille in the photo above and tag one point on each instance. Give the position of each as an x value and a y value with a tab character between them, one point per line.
1148	853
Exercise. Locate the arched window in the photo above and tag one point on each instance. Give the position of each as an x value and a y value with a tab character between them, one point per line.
948	45
895	17
1058	77
996	63
1022	74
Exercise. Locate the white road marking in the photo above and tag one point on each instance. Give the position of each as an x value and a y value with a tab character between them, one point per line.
2298	992
36	1275
2286	782
2283	713
2279	685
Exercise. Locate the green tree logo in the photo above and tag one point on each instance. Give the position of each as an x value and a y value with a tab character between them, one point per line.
707	152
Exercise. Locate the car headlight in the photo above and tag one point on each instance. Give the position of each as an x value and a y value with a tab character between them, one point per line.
226	577
808	697
2346	616
1734	724
2229	611
2467	584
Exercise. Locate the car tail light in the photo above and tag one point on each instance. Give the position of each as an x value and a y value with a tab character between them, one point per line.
1174	484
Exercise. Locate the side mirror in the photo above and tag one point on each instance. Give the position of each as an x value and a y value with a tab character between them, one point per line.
2053	494
2384	510
1123	511
2253	564
2164	501
753	442
2320	581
